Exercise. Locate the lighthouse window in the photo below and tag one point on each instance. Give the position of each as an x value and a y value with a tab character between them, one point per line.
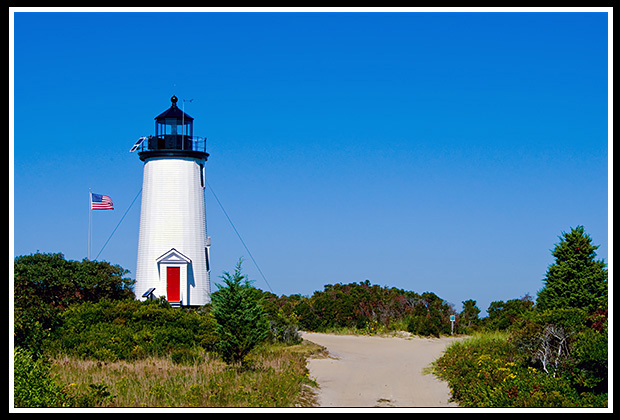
171	126
202	175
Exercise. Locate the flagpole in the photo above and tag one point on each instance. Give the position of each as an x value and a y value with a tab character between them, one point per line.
90	207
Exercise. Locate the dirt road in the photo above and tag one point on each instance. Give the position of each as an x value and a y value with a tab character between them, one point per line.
371	371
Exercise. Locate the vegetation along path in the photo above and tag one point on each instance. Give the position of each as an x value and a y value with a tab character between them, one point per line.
373	371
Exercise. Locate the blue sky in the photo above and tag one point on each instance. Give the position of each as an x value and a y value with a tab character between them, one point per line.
439	152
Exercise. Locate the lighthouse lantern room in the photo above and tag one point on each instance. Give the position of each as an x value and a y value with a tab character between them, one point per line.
173	247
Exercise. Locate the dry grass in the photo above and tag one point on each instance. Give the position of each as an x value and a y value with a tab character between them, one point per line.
276	376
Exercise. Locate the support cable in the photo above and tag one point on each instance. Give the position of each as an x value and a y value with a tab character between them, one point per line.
119	223
239	236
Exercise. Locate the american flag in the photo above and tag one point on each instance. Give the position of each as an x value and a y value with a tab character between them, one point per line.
101	202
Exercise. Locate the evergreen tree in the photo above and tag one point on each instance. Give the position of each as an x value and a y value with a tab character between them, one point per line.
469	316
241	321
576	279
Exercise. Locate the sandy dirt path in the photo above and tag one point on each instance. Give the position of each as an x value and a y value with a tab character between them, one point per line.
371	371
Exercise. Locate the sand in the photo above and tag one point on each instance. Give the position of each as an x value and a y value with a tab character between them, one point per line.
373	371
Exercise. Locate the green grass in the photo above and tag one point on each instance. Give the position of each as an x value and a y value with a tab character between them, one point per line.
273	376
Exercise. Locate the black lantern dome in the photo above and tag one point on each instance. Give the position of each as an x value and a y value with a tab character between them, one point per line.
174	135
173	122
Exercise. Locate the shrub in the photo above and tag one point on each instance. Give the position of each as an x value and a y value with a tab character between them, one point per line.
130	330
489	371
424	325
562	342
509	314
546	338
46	284
33	385
241	323
591	363
283	322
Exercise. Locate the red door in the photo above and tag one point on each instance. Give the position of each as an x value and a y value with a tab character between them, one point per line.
173	274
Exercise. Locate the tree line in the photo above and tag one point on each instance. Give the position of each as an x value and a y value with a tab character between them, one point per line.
88	309
47	284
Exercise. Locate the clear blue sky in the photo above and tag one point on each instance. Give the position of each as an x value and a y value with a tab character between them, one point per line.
439	152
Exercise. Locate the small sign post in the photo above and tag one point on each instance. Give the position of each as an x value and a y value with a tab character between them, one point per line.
452	319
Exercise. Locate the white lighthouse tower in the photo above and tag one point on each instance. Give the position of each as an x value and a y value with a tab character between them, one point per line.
173	247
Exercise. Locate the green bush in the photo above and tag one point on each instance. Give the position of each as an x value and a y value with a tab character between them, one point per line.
591	363
425	325
112	330
488	370
46	284
283	322
33	385
567	342
508	315
36	387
